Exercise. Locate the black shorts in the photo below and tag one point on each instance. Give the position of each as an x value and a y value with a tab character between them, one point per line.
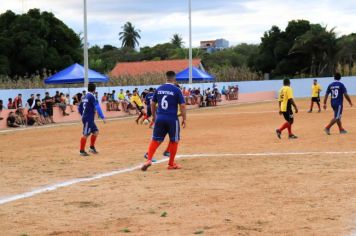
288	116
315	99
50	111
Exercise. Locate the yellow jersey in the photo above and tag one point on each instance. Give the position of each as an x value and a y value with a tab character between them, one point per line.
285	93
121	96
316	90
135	99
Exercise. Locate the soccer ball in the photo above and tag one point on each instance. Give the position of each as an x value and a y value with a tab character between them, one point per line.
146	122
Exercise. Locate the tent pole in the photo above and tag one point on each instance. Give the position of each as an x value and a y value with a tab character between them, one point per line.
86	61
190	44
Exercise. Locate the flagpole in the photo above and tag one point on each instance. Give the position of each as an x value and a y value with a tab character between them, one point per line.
86	61
190	45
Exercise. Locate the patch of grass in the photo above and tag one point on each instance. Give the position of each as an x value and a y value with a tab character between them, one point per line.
164	214
199	232
126	230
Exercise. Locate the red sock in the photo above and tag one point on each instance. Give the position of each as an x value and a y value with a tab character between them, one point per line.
169	147
152	149
284	126
289	129
92	140
83	142
173	147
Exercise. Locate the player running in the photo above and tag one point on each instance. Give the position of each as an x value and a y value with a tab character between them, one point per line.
148	100
338	92
168	97
316	89
286	101
87	109
136	101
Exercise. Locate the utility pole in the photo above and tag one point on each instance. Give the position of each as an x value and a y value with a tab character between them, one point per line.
86	61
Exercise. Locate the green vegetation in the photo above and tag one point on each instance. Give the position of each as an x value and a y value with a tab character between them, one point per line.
36	44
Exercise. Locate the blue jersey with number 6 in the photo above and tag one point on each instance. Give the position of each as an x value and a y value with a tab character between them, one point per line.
168	97
337	90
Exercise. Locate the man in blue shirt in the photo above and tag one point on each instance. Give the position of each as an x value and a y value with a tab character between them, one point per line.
338	92
87	109
148	100
168	97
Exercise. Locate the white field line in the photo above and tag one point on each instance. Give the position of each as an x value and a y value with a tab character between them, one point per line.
53	187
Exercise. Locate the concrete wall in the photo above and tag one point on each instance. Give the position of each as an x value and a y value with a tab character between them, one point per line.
301	87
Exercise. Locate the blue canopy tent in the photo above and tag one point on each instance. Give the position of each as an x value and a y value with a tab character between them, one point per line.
198	75
75	75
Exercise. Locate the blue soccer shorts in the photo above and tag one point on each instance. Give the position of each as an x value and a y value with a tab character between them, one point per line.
164	127
89	127
337	111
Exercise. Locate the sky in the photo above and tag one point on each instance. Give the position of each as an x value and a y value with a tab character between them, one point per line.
239	21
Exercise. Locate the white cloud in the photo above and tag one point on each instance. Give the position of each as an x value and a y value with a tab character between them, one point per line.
235	20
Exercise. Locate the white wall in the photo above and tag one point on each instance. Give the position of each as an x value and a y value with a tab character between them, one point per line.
301	87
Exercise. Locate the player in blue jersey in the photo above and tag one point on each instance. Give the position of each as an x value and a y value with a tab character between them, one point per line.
87	109
148	100
338	91
168	97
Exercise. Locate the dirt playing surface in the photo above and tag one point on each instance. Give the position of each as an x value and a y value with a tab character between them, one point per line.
217	194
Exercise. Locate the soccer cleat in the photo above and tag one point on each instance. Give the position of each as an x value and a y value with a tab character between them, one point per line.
84	154
146	157
319	111
327	131
93	150
174	167
167	154
310	111
278	132
343	131
292	136
146	165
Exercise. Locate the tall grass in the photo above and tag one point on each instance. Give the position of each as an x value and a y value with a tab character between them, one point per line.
224	74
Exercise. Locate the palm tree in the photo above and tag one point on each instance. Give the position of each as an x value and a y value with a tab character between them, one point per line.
177	40
129	36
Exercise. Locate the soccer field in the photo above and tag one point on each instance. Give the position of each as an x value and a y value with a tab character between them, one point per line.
237	178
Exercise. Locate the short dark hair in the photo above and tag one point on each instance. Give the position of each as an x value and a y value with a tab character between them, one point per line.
91	87
337	76
170	74
151	89
38	94
286	82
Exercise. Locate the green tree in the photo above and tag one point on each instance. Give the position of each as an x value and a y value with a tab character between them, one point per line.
129	35
177	40
347	52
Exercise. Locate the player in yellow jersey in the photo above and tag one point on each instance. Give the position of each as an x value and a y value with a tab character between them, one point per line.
316	89
286	102
136	101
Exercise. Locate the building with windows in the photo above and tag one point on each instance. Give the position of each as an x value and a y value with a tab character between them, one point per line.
211	46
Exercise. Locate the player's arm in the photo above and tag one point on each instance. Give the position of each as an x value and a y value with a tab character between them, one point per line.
294	105
183	111
348	99
328	91
279	107
153	110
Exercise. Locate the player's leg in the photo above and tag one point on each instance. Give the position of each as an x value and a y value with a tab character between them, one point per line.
311	105
337	115
83	139
318	103
338	121
284	126
159	132
174	137
291	121
94	136
167	151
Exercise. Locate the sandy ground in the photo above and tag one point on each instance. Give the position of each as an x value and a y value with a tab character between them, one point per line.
306	194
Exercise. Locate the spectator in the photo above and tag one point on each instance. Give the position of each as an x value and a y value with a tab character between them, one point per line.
62	104
104	98
122	100
31	102
38	108
18	102
45	113
225	92
84	93
144	94
12	120
33	118
10	104
187	96
57	98
114	102
49	106
76	99
69	102
1	107
20	115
